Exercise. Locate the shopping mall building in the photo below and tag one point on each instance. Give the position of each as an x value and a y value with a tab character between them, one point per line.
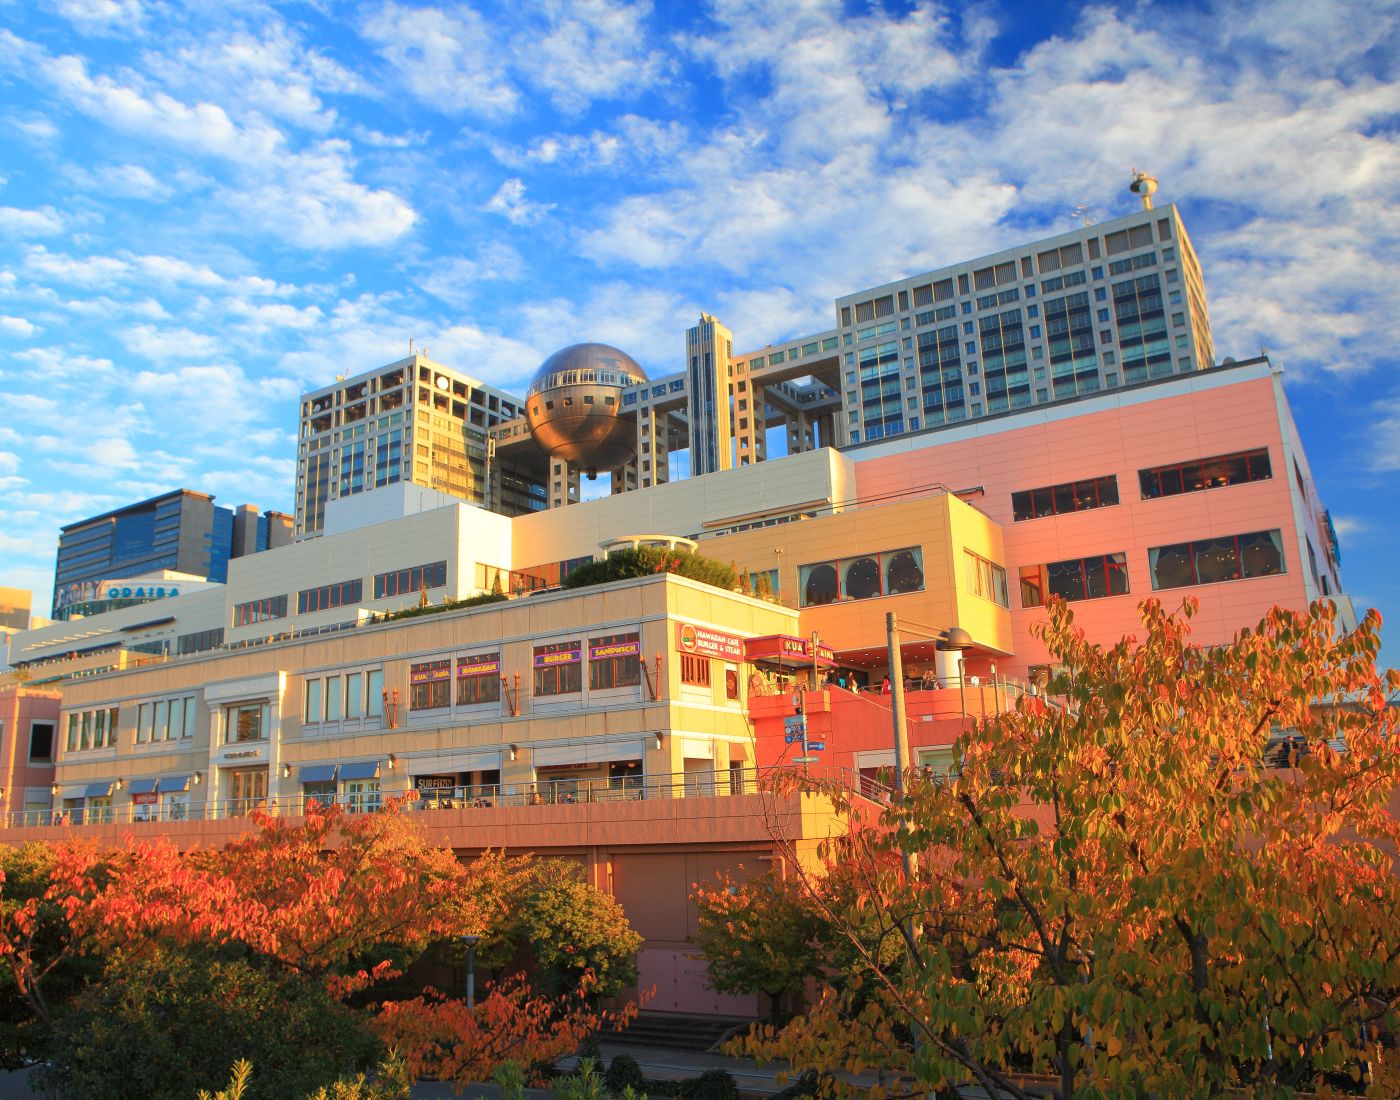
628	724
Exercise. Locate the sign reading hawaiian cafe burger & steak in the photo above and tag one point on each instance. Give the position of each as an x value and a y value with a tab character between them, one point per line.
704	642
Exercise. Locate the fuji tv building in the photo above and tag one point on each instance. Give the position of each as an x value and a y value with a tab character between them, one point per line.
960	446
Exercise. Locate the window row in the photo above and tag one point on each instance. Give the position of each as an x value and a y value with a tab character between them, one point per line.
165	720
329	596
614	661
1070	496
889	573
260	611
404	581
985	578
1206	473
1180	565
331	698
92	729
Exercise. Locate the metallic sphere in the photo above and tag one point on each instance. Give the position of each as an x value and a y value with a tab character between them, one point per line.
574	402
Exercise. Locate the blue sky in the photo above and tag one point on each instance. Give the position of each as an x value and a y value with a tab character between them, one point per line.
207	208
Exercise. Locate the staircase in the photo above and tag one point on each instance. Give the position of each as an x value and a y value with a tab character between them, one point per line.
672	1031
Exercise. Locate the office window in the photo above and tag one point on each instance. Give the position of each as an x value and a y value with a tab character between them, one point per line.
374	693
1206	473
1070	496
247	722
695	670
558	668
429	684
614	661
258	611
406	581
984	578
41	738
1211	561
311	710
328	596
1076	579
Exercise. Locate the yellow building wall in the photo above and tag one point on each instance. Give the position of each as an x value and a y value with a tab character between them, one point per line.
941	524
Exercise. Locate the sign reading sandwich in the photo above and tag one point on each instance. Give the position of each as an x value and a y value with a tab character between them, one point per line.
704	642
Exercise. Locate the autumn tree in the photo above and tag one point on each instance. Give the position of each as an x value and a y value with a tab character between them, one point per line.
1122	890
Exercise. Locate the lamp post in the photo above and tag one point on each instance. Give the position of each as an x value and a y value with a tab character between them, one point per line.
470	942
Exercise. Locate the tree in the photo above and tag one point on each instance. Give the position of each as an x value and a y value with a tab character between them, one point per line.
759	936
572	929
1117	892
442	1037
163	1024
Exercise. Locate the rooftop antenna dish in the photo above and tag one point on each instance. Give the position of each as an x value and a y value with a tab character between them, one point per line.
1144	184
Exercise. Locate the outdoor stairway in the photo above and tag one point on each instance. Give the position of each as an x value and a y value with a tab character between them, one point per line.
673	1031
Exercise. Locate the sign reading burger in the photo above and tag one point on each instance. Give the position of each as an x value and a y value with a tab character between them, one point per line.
704	642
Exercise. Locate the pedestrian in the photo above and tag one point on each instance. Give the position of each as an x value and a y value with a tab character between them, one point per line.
885	686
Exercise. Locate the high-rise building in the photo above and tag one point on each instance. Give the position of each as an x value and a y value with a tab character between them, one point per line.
414	421
183	532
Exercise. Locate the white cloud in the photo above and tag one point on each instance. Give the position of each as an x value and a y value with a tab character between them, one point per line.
510	201
591	50
455	280
162	344
446	59
30	223
97	16
16	326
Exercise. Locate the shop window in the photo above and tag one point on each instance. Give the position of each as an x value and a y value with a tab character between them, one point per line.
558	669
862	577
478	679
362	796
429	684
818	584
311	712
248	722
1213	560
41	742
695	670
731	683
614	661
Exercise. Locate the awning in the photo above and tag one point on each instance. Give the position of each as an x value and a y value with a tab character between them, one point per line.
98	790
589	752
360	769
450	763
170	784
142	786
318	773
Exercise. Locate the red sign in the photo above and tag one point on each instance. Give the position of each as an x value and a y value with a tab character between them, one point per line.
429	671
144	799
784	649
705	642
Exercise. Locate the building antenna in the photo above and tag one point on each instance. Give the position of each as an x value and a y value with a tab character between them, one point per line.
1144	184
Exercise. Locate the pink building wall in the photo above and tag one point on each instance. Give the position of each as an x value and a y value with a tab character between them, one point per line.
20	707
1119	433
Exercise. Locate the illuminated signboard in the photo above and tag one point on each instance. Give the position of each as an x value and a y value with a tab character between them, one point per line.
705	642
615	649
483	664
429	671
569	655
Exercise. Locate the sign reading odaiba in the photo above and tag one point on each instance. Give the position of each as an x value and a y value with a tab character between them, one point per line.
89	592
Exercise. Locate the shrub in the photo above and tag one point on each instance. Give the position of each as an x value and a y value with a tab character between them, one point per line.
646	561
713	1084
624	1073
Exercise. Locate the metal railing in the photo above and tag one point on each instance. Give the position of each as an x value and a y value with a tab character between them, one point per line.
715	783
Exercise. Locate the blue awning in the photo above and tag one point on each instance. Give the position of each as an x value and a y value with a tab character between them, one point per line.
98	790
142	786
169	784
318	773
361	769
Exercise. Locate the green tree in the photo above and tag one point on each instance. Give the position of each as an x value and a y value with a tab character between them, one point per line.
1119	891
168	1023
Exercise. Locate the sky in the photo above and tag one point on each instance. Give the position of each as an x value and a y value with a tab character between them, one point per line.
208	208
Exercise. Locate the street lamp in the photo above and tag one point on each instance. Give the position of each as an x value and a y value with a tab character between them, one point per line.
470	943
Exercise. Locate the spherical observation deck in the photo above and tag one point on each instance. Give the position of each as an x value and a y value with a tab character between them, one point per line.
573	406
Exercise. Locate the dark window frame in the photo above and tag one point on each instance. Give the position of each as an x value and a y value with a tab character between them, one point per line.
1096	570
1046	500
1203	474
